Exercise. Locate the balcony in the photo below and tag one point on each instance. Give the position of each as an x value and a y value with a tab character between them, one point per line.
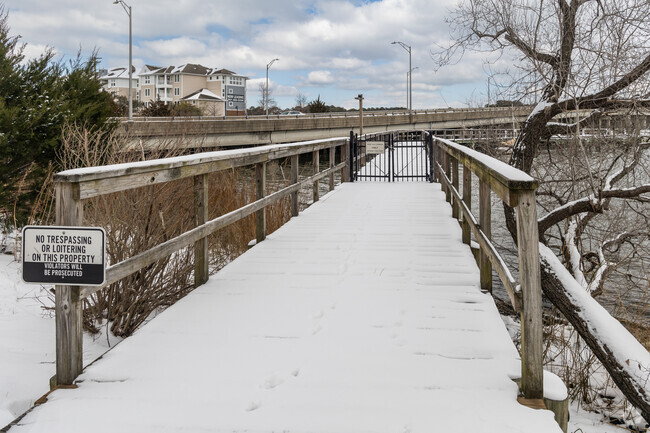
163	83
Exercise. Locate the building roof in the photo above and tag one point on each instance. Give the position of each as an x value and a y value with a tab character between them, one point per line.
121	72
203	95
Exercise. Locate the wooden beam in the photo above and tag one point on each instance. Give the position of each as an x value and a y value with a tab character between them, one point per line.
455	209
485	222
201	256
68	309
467	199
332	162
295	162
316	164
260	193
531	317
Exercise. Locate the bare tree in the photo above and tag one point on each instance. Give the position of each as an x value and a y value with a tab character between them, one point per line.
590	58
266	96
301	100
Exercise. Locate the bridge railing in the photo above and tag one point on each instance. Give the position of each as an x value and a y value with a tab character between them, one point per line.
75	186
516	189
366	113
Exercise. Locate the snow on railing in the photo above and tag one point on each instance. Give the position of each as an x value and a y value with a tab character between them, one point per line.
516	189
75	186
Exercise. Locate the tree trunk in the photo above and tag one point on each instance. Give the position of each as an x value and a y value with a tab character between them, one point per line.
634	391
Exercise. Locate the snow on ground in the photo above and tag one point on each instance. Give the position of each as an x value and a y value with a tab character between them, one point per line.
371	330
27	349
356	316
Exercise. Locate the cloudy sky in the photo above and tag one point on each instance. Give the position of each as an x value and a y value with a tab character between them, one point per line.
332	48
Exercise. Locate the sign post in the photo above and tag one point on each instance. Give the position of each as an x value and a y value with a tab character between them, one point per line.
73	256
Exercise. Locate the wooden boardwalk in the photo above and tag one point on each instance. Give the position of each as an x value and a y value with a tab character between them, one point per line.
363	314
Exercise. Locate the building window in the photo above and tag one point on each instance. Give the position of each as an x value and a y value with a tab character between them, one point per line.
177	78
147	80
177	91
147	92
230	91
230	104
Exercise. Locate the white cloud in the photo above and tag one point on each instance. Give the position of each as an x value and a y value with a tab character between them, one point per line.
334	47
316	78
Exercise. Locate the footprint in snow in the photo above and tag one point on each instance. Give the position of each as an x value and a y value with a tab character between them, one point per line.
253	405
272	381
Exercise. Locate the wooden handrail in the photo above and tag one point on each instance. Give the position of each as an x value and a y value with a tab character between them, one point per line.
74	186
516	189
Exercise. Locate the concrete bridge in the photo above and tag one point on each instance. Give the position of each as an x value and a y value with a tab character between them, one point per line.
212	132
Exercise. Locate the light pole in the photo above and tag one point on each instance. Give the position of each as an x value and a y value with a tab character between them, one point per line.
407	48
127	9
408	86
266	96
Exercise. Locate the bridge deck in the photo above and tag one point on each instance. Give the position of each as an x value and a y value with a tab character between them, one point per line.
357	316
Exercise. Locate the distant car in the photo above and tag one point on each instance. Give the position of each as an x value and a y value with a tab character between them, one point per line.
292	113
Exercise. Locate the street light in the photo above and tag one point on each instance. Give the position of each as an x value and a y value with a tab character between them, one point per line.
407	48
127	9
408	84
266	99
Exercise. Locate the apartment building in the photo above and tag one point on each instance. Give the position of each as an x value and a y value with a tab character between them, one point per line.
116	82
174	84
233	89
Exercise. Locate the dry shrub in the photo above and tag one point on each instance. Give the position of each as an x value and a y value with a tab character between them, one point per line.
138	219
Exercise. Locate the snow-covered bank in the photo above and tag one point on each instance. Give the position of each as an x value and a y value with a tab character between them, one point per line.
27	346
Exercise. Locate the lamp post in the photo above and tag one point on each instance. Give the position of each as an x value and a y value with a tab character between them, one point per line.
127	9
266	96
407	48
408	86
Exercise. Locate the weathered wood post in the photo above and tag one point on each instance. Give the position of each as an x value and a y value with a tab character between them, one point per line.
201	257
531	317
332	163
447	168
485	221
295	209
432	157
260	193
316	164
455	209
345	156
467	198
69	314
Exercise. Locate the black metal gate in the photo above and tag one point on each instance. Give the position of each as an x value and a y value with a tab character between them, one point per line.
391	157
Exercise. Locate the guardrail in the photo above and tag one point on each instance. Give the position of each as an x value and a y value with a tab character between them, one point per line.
366	113
516	189
75	186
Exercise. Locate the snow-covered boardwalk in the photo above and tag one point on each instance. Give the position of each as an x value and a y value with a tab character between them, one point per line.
363	314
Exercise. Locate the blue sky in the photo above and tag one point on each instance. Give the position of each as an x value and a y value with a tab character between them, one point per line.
335	49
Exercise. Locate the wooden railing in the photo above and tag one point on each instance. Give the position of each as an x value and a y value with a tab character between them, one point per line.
75	186
516	189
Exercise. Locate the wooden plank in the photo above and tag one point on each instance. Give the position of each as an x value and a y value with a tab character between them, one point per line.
316	164
68	309
531	316
125	268
295	163
260	193
485	222
467	199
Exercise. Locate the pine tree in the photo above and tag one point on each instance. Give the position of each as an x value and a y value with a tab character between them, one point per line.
37	98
